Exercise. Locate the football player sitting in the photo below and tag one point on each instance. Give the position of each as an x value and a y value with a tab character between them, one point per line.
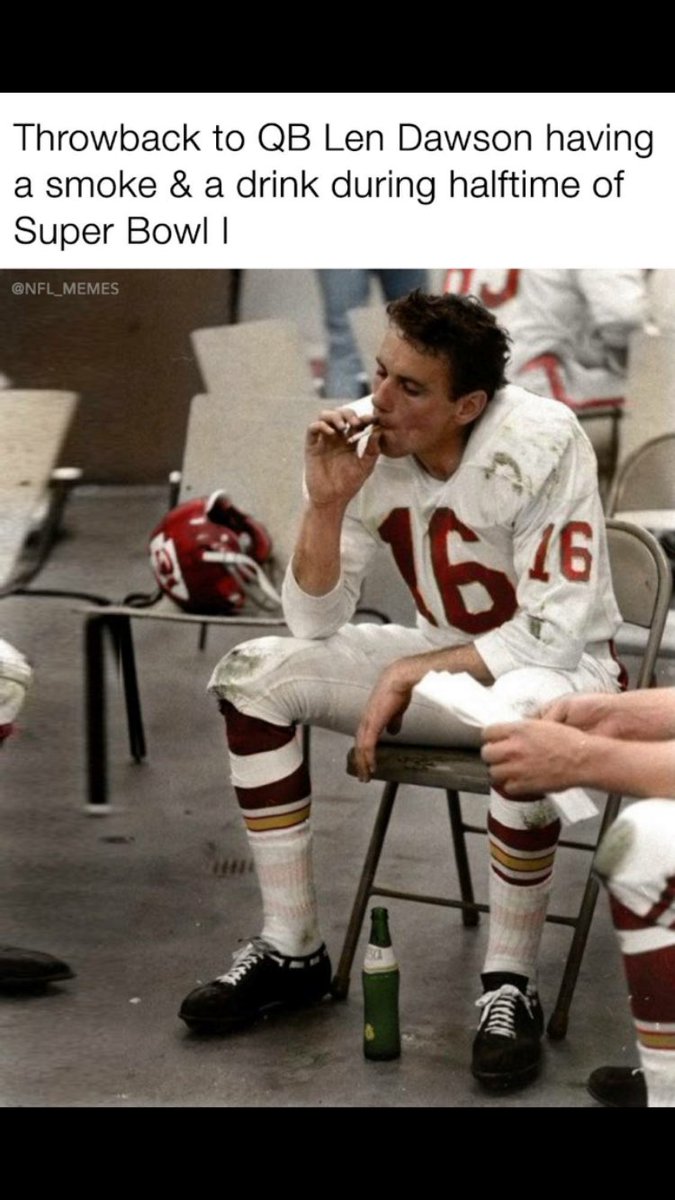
487	497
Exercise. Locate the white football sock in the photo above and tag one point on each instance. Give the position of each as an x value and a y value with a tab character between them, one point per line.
283	861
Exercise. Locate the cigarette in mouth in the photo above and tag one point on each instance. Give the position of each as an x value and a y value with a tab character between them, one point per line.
361	438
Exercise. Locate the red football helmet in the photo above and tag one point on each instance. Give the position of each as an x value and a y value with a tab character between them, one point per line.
206	555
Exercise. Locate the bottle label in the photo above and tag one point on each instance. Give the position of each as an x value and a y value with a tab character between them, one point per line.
379	958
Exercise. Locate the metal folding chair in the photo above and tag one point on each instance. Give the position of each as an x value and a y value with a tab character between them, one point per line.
642	584
644	488
643	493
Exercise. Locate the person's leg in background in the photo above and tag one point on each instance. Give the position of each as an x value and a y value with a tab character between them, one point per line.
636	861
341	291
19	968
397	283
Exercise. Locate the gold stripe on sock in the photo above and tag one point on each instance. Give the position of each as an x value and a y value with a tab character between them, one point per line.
280	821
656	1041
522	864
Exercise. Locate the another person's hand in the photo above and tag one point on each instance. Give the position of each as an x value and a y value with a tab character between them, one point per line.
526	757
644	715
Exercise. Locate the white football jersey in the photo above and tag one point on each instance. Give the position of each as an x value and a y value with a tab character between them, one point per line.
509	553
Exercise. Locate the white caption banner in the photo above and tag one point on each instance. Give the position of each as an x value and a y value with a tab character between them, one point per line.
401	179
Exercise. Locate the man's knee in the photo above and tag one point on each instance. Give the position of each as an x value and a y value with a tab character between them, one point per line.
249	671
636	858
525	690
643	834
15	677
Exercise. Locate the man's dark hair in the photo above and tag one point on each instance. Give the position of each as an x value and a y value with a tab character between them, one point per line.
460	329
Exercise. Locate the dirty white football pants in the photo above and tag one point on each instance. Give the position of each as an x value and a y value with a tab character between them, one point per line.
637	863
15	677
269	686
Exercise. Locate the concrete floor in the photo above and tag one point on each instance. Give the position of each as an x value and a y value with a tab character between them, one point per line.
150	900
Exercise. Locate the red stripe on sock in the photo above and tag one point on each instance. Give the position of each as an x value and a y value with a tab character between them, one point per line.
283	791
651	983
516	799
626	920
665	901
520	881
543	838
250	735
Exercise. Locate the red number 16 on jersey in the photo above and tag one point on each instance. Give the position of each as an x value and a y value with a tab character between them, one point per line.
396	530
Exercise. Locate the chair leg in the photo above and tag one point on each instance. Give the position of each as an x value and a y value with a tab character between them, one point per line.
95	710
131	692
203	634
470	916
559	1020
340	984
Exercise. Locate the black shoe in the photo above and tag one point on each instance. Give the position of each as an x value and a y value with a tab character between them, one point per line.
618	1087
507	1046
260	978
30	969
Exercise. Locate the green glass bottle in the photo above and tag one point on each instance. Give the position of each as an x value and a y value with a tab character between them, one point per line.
381	1034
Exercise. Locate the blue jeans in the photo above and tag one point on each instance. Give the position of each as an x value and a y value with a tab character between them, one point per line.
343	290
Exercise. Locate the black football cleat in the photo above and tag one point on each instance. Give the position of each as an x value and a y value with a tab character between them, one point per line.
618	1087
29	970
507	1046
260	979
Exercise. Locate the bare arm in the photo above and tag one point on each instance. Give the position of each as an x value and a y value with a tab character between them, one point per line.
543	756
393	691
634	768
334	473
644	715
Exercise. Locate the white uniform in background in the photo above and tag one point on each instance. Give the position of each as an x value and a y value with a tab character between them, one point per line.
495	287
571	331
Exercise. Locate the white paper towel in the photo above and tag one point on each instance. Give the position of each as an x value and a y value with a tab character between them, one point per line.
477	706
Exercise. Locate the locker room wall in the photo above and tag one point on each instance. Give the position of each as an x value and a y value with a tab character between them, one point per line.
126	351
